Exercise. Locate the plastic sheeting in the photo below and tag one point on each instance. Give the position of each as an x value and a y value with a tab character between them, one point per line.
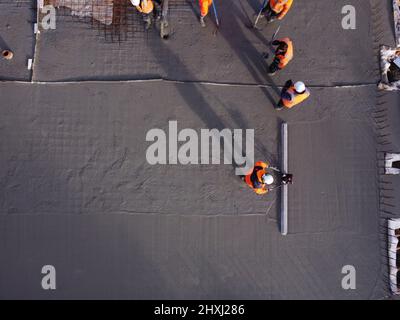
388	55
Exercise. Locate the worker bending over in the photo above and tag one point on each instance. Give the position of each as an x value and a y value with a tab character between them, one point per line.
148	10
259	179
276	9
283	55
292	94
204	8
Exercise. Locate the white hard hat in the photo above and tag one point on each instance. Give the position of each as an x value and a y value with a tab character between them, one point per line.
300	87
135	2
268	179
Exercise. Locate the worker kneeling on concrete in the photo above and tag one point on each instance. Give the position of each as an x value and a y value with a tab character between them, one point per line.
276	9
259	179
283	55
264	178
204	8
292	95
148	11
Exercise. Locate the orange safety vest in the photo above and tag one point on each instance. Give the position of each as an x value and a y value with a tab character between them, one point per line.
284	59
280	6
261	188
146	6
295	98
204	6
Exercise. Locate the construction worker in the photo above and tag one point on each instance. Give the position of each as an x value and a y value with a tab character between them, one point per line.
262	180
292	94
283	55
276	9
259	179
146	8
204	7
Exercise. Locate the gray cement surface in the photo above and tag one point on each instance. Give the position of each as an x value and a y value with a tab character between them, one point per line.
77	192
74	153
325	53
16	34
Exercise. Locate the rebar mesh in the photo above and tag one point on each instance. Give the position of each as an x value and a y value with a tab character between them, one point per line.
116	20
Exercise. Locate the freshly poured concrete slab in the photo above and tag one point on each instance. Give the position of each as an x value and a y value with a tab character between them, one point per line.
325	53
78	193
86	143
334	165
180	257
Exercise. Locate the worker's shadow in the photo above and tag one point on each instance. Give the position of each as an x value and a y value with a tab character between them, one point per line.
3	45
251	57
195	9
255	5
249	21
261	151
195	99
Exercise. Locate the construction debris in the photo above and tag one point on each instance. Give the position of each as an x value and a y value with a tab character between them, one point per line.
392	163
396	11
100	10
389	69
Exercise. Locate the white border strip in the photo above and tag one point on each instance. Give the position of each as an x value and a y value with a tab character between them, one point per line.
392	248
284	197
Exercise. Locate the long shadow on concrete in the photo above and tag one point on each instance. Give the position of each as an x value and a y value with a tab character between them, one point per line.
251	58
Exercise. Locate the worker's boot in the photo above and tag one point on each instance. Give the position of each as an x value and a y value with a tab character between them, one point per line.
148	21
202	23
157	12
265	55
273	68
164	29
270	19
269	15
279	105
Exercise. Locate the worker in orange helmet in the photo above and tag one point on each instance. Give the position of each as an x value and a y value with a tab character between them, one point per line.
283	55
146	8
276	9
204	7
292	95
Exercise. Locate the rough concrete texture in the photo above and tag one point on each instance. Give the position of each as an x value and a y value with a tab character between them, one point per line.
232	55
77	192
389	135
16	34
81	160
